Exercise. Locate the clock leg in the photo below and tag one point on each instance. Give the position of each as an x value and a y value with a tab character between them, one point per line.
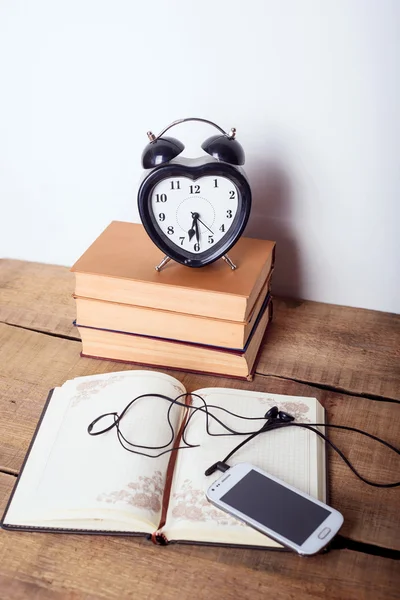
229	262
164	261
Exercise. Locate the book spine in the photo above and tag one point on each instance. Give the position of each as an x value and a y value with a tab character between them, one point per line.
159	538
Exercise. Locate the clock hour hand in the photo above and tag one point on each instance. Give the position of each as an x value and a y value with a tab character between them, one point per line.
192	230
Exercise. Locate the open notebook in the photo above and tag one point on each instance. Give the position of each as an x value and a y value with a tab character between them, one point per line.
74	482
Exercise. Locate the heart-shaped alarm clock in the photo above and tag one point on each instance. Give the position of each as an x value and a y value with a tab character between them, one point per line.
194	209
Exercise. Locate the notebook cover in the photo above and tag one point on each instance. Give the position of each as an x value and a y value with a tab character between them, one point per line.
238	351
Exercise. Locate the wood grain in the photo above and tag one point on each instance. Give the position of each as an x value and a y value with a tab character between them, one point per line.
37	296
346	349
31	364
349	349
70	566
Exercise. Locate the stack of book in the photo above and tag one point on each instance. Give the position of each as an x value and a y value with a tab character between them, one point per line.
209	320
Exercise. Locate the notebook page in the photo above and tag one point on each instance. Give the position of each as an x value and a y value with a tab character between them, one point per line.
72	476
290	454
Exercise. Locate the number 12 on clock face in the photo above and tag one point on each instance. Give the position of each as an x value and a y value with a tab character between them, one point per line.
194	215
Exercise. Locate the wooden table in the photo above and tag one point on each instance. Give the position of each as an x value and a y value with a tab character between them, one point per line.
347	358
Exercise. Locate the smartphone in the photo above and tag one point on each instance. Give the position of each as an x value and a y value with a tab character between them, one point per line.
275	508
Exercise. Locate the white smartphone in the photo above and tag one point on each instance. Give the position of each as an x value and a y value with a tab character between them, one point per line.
275	508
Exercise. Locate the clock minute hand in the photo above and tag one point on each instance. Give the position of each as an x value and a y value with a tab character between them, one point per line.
206	226
196	226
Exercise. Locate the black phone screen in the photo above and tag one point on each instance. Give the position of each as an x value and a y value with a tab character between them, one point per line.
276	507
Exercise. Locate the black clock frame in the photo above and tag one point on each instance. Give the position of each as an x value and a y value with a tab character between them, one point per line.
176	169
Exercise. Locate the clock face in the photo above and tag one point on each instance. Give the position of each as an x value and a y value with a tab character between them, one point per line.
195	215
194	211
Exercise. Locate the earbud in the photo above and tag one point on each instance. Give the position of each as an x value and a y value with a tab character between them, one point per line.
279	415
285	417
272	413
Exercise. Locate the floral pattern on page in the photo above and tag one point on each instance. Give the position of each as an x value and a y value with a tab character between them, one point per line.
191	504
298	410
145	493
86	389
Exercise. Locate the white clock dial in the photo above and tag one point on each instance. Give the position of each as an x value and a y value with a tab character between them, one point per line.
195	215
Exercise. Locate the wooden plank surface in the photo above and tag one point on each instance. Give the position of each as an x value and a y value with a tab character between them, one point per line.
37	296
349	349
32	363
340	349
34	565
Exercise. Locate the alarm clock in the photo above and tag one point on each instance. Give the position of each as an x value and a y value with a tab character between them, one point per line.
194	210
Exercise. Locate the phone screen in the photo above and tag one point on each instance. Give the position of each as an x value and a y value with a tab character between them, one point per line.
276	507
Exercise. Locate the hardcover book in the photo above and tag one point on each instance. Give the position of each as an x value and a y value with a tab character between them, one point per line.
120	267
148	350
73	482
166	324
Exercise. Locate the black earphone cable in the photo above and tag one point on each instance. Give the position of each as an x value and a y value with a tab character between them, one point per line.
275	420
204	409
311	427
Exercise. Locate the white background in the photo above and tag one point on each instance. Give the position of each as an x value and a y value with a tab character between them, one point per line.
312	87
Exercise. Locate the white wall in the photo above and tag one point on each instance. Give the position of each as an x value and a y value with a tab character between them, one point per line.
313	87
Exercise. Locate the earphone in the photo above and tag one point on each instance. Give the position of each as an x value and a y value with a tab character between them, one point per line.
274	419
223	147
277	419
